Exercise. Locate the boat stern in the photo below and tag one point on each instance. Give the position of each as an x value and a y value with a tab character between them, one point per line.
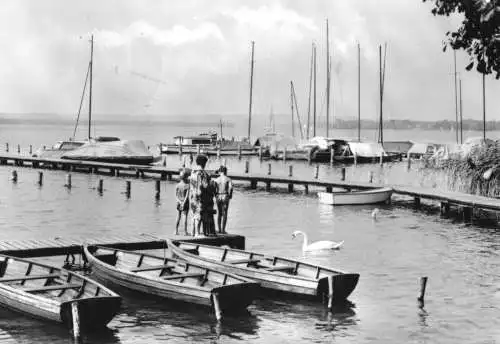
235	297
343	286
93	312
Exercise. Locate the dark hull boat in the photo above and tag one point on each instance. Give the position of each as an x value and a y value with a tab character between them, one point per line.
276	273
169	278
49	293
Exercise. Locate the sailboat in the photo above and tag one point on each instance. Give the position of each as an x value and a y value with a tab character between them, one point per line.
100	149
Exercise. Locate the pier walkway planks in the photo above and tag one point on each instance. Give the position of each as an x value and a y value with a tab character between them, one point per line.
72	246
450	198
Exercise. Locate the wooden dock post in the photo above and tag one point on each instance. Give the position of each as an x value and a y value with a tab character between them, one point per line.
445	208
290	171
165	161
76	319
467	211
268	169
331	156
128	187
316	172
423	284
218	313
40	178
417	202
260	153
370	176
306	188
268	186
284	154
117	172
180	149
18	149
218	152
239	151
14	176
253	184
157	189
247	166
381	158
7	147
290	187
342	172
68	181
31	149
355	159
100	186
309	160
163	176
409	163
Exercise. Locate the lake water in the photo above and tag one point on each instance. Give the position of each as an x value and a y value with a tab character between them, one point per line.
391	253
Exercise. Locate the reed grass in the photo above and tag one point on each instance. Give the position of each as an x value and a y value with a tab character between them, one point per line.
468	174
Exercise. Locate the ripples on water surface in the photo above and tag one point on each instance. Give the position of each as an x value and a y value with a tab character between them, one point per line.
391	253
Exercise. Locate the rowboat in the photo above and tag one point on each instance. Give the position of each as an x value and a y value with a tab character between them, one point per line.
378	195
55	294
294	277
169	278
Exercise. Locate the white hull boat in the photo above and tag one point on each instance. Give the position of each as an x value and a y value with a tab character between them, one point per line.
355	197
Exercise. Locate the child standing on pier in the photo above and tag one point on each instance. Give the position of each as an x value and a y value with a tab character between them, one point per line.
182	199
224	193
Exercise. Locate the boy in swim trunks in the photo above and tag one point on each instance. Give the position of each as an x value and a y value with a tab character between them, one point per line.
224	193
182	200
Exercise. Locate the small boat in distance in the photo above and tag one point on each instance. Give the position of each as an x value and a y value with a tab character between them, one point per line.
49	293
297	278
378	195
169	278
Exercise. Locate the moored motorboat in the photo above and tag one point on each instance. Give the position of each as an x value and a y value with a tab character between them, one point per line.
169	278
286	275
372	196
51	293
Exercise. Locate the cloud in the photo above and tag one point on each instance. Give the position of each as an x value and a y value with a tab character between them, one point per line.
177	35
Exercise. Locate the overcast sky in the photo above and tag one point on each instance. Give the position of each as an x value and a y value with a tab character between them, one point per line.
193	57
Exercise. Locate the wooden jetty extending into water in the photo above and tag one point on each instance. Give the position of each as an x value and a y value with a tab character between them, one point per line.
465	202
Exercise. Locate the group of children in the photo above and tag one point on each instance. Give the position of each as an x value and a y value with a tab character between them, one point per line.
198	192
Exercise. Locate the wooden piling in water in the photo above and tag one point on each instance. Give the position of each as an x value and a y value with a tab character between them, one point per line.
355	159
409	163
128	187
40	178
290	171
330	292
423	284
247	166
445	208
268	186
316	172
342	173
7	147
76	319
157	189
467	214
306	188
239	151
253	184
31	149
331	156
290	187
268	169
370	176
14	176
417	202
18	149
260	153
68	181
100	186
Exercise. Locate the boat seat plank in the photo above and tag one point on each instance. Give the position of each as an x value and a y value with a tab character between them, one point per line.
188	274
280	268
153	267
243	261
54	287
28	277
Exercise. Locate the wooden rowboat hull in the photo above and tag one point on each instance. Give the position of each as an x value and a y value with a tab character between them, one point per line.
30	297
231	297
355	197
303	284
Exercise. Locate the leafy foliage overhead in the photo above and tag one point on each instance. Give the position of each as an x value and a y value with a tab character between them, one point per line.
478	34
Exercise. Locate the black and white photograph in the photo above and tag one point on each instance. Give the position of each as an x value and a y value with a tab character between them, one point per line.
250	171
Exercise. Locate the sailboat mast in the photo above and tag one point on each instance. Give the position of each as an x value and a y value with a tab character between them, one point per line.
484	107
461	113
327	81
90	84
456	101
251	90
291	105
314	92
381	135
309	97
359	93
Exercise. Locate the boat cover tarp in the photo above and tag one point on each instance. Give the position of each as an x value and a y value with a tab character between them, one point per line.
366	149
110	150
276	142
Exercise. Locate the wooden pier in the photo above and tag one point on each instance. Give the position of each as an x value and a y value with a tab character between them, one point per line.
72	246
466	202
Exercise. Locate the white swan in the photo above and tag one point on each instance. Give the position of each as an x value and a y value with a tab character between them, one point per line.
318	245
